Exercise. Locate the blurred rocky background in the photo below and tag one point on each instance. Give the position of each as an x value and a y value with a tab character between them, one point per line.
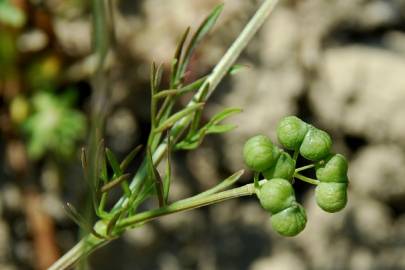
339	64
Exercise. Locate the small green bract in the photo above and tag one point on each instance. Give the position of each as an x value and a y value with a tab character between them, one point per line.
259	153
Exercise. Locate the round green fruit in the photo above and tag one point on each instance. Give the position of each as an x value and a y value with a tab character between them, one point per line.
334	170
276	195
259	153
290	221
331	197
316	144
291	132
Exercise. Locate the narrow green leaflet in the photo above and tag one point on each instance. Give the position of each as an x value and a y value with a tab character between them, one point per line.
155	178
174	80
224	114
79	219
236	69
168	175
224	184
196	136
113	183
201	32
177	116
218	129
183	90
113	162
128	159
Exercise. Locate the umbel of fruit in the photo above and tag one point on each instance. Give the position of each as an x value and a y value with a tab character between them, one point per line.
331	192
277	197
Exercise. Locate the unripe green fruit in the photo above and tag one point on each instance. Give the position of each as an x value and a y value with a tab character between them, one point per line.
290	221
291	132
331	197
276	195
316	144
334	170
283	168
259	153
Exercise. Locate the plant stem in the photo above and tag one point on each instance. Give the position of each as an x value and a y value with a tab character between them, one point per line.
220	70
87	245
304	167
306	179
90	243
186	204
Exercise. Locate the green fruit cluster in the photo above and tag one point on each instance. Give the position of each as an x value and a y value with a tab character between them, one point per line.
293	133
261	155
331	192
277	197
276	194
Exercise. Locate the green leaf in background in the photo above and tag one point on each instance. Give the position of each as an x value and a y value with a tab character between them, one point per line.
11	15
8	52
53	126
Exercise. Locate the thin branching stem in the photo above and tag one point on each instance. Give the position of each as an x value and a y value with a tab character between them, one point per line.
303	168
306	179
90	243
220	70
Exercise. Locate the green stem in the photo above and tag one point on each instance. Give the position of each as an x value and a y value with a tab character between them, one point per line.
303	168
90	243
306	179
220	70
83	248
221	186
296	153
185	205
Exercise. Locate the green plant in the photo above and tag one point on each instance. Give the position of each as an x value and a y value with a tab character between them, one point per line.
182	130
53	126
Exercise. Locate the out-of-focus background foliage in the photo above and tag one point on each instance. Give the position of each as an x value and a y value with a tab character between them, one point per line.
339	64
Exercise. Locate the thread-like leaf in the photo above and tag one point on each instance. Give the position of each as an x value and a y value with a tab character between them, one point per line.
79	219
85	167
224	114
237	68
201	32
177	116
113	183
188	88
128	159
229	181
112	160
168	175
112	222
155	176
218	129
177	58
